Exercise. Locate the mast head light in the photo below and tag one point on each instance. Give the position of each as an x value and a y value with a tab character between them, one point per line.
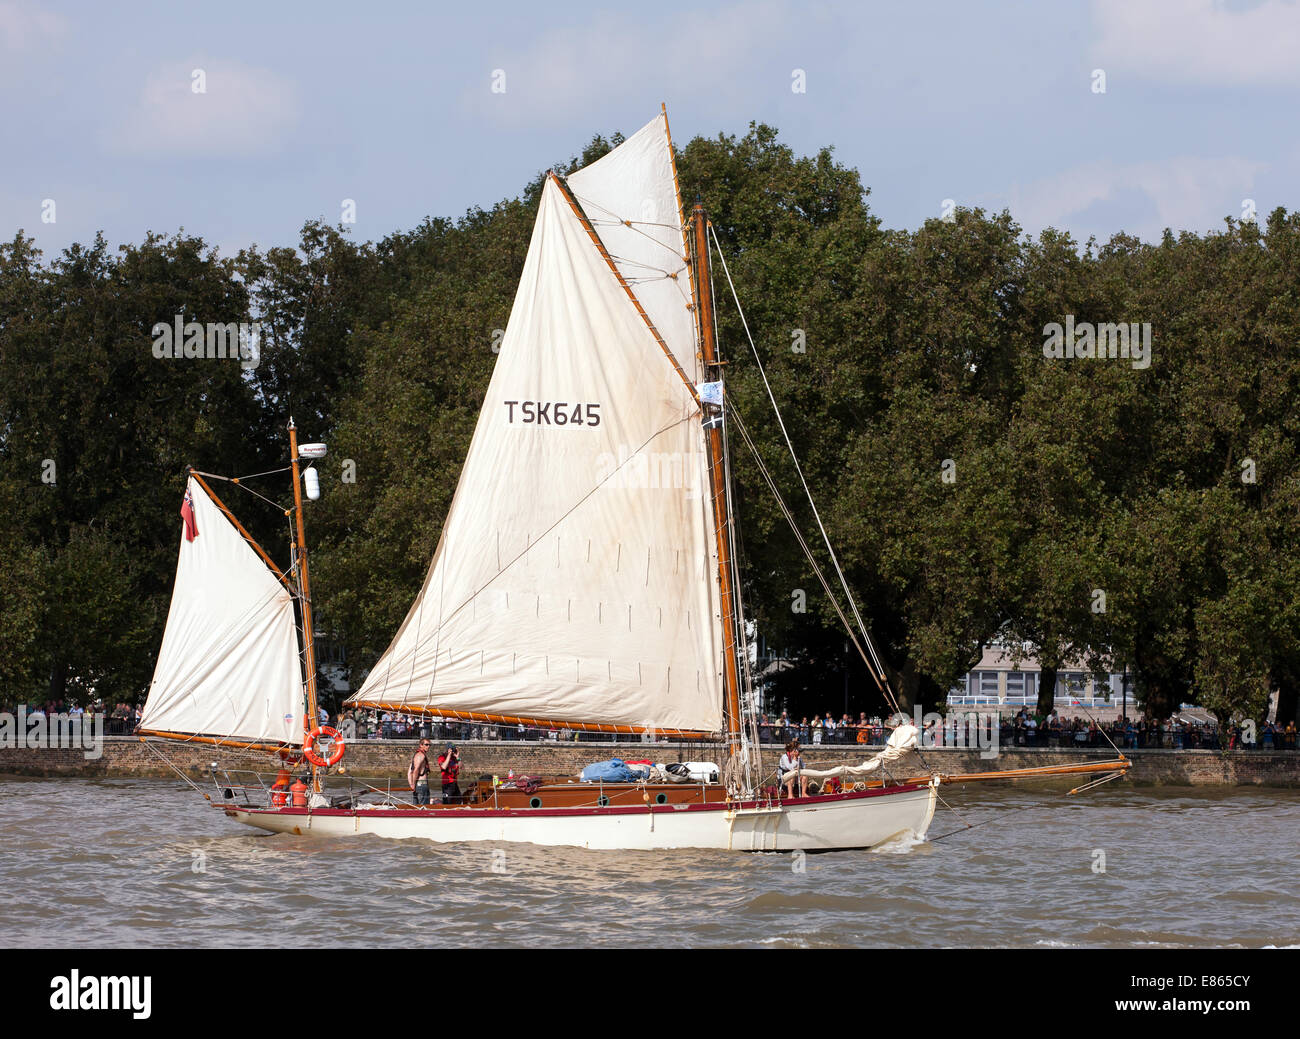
311	450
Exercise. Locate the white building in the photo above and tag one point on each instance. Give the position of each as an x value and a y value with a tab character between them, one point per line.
997	682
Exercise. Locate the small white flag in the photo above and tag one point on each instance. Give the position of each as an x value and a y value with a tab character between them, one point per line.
710	393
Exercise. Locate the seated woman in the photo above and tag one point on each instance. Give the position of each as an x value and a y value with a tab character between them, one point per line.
790	769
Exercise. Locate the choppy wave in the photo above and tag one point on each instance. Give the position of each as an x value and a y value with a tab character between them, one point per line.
144	862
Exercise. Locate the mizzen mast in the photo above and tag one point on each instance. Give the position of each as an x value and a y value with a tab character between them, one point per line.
310	718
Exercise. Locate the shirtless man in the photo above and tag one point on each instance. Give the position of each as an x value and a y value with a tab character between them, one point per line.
417	776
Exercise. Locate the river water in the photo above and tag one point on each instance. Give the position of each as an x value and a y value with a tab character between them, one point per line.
145	863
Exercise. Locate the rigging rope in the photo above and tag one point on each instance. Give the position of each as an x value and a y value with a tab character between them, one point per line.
875	659
163	758
238	482
1102	731
874	665
628	261
747	724
615	219
807	551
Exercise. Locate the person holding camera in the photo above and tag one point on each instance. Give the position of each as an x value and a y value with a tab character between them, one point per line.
449	767
790	769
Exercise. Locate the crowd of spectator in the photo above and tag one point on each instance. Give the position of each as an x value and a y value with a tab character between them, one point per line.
361	724
393	725
1174	733
1024	730
1021	730
120	720
822	729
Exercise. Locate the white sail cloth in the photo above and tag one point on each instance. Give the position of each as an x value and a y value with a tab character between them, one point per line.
576	576
228	666
900	741
630	196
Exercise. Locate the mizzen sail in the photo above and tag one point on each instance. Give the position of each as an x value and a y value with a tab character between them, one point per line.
576	578
228	666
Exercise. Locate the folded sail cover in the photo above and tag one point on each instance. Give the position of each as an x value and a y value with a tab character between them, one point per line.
576	576
901	740
228	666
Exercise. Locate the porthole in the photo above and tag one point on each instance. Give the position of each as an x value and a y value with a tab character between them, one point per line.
534	802
602	800
661	799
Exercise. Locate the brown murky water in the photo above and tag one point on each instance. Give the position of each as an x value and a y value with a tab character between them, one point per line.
146	863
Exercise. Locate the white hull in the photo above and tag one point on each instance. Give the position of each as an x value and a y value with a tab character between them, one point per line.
856	820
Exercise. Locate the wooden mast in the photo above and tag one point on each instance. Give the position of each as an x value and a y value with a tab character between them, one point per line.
717	473
310	719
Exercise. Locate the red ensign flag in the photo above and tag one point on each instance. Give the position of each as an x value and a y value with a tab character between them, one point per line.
187	514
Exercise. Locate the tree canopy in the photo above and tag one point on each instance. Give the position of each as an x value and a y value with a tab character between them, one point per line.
1103	509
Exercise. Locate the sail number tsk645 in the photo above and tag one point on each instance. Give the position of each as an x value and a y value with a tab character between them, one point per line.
552	413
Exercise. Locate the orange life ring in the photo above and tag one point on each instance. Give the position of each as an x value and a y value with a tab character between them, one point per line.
309	747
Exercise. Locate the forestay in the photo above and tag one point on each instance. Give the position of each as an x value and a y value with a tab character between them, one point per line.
228	666
575	578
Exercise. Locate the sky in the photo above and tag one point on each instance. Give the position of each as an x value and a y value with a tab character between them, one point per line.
427	109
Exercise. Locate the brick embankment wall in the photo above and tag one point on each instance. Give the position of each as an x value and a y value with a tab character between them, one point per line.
126	756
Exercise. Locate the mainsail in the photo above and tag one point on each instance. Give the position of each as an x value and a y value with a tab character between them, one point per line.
630	197
575	581
228	667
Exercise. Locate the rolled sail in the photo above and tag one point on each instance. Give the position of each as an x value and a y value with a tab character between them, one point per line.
228	666
575	580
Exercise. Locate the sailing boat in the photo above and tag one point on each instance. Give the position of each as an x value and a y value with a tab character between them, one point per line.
585	577
230	671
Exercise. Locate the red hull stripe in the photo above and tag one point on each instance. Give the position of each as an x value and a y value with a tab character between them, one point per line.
470	813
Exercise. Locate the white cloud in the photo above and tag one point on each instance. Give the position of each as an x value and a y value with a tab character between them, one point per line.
1192	194
23	27
243	111
1199	41
627	59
